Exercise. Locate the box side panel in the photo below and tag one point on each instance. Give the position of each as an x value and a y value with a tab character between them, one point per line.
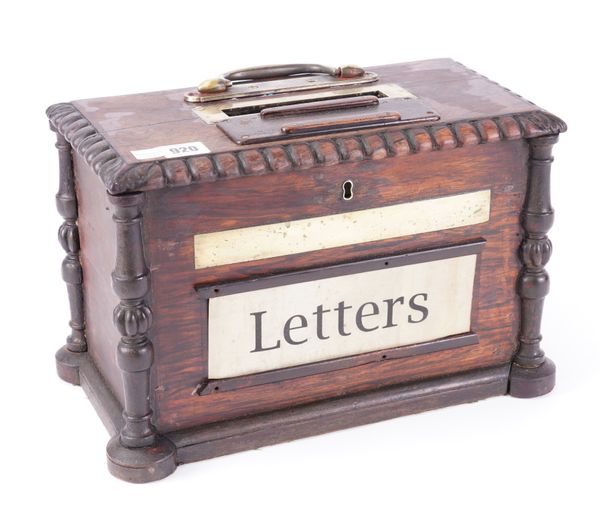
173	217
98	251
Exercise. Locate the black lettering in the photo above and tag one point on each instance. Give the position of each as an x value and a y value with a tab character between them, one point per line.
258	347
288	328
390	311
421	308
340	309
360	315
319	314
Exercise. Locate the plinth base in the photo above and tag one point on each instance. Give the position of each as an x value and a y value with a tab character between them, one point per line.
141	465
68	364
532	382
222	438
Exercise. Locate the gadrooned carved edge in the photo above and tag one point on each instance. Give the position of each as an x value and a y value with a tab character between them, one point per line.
119	177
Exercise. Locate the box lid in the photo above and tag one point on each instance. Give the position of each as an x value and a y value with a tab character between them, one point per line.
154	140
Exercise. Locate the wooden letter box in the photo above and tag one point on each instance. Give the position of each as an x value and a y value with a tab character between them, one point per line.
290	250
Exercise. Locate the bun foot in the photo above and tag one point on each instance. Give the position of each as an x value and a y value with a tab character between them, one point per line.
140	465
67	365
532	382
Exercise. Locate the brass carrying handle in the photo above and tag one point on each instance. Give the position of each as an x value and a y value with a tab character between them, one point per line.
221	84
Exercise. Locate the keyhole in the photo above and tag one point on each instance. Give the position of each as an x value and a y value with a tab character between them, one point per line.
347	192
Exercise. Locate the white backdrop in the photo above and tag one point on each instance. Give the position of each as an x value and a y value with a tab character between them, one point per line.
499	455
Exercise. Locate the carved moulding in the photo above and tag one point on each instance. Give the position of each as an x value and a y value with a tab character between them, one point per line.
119	177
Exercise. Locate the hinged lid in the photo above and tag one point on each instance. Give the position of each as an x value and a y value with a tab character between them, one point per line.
153	140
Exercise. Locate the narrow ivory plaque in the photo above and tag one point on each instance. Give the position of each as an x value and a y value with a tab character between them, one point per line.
277	327
310	234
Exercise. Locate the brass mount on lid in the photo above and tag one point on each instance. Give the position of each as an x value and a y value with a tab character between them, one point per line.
284	78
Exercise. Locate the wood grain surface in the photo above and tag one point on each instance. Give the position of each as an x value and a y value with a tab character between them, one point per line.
98	255
173	216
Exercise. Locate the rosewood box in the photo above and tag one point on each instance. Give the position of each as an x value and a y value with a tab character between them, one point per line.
289	250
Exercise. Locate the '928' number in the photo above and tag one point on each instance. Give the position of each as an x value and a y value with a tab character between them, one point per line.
183	149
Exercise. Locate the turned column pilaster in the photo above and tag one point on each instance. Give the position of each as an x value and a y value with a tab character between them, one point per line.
137	453
68	357
532	373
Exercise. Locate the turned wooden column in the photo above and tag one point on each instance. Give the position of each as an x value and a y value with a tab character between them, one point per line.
68	357
532	373
137	454
133	318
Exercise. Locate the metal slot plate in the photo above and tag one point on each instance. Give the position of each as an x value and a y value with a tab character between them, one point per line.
214	112
252	128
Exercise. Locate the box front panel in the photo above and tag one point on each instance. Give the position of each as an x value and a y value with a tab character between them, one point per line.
232	234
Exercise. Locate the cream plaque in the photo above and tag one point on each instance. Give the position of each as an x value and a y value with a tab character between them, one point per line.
308	321
310	234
